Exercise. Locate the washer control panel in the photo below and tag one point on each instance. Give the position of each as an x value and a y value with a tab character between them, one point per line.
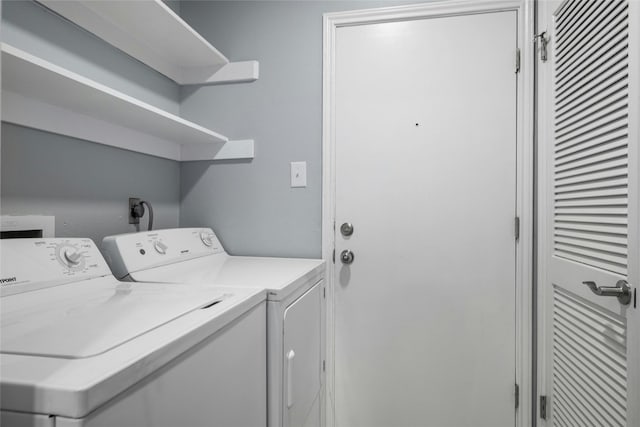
127	253
35	263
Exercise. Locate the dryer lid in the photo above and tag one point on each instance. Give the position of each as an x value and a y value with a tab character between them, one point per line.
87	318
279	276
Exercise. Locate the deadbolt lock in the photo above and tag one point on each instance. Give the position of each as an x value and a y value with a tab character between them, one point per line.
346	229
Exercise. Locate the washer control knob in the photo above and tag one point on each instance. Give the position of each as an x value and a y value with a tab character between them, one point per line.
160	247
72	257
206	238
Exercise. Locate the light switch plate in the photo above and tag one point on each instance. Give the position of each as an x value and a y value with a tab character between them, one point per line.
298	174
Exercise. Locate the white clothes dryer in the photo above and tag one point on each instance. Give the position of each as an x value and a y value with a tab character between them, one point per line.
80	348
295	306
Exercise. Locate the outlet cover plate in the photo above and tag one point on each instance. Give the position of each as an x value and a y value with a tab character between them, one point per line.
133	201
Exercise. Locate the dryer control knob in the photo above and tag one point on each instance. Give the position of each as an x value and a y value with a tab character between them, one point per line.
160	247
206	239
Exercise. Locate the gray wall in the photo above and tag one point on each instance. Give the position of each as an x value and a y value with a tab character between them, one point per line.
85	185
250	204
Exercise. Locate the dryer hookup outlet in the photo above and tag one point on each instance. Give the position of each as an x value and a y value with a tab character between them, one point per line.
136	211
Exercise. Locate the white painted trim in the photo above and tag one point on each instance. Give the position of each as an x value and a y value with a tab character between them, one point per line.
544	242
524	268
41	95
29	222
428	10
524	295
633	331
328	206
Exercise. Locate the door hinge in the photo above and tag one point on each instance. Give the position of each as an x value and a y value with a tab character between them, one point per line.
517	227
518	59
544	42
333	257
324	366
517	394
324	293
543	407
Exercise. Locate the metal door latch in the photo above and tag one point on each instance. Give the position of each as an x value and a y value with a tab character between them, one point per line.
544	41
543	407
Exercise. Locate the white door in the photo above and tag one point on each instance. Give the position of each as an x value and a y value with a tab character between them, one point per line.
425	167
589	142
302	360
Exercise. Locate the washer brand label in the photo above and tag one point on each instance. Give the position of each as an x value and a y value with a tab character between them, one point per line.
8	280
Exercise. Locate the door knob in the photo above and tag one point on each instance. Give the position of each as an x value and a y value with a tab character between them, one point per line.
621	290
346	256
346	229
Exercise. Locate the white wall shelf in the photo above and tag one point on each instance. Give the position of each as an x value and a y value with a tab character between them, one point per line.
154	34
41	95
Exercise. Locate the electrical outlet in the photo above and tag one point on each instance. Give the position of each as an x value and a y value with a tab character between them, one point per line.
133	203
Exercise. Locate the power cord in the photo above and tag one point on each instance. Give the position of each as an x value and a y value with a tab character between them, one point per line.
143	202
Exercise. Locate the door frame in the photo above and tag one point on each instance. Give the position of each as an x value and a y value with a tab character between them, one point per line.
525	174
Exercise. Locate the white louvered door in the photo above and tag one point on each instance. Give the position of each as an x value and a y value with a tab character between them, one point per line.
590	191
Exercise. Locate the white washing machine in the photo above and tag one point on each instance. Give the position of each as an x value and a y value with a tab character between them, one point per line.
295	301
79	348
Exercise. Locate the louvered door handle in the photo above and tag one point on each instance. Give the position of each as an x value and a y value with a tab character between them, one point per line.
621	290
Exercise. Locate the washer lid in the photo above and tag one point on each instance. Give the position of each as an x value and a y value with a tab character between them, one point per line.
84	319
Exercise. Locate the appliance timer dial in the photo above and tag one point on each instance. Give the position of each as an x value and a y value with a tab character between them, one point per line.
70	256
160	247
206	239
